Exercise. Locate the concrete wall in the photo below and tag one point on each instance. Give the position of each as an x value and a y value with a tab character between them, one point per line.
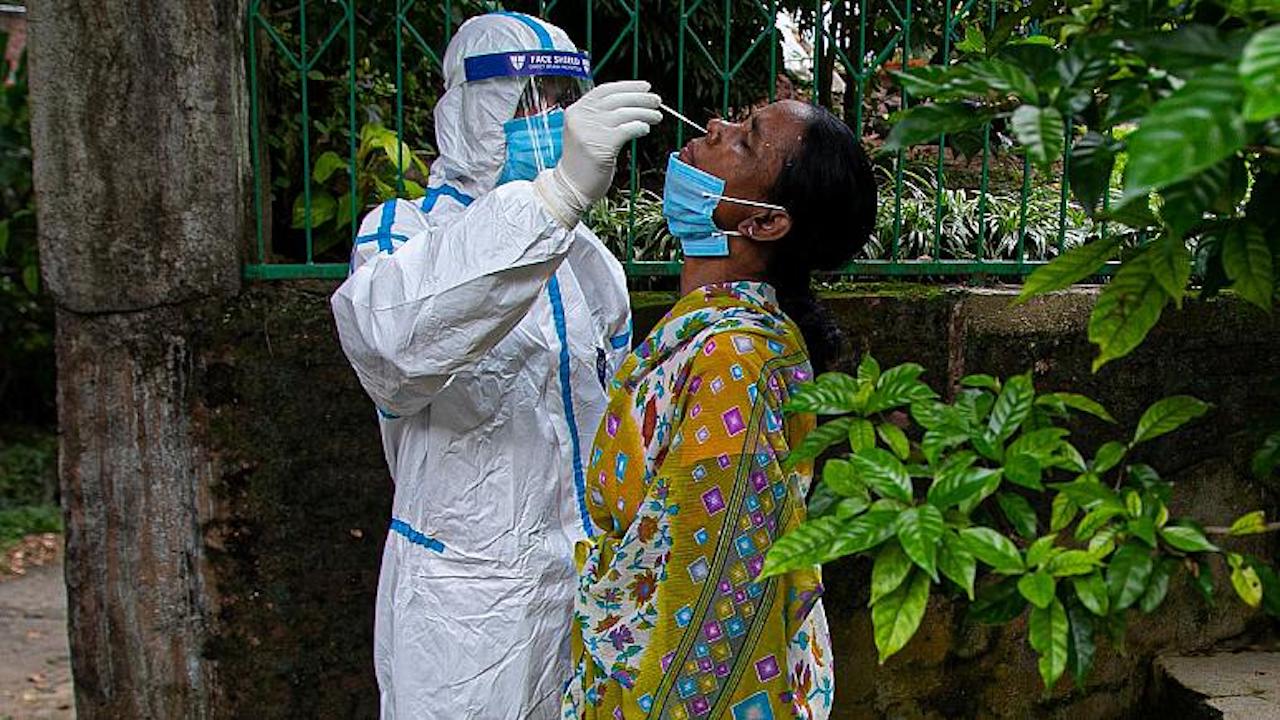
302	496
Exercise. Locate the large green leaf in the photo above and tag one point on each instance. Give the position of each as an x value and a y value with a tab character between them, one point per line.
838	475
1246	257
1048	637
818	440
899	385
941	83
1250	524
998	603
993	549
1064	510
862	435
1092	591
1245	580
1158	584
1076	401
1071	563
1188	47
1070	268
919	531
957	480
1018	512
1023	469
1127	575
1260	74
323	207
890	568
893	436
1092	158
897	616
1192	129
804	546
956	562
1171	265
1004	77
1186	202
884	473
823	398
326	165
1267	457
1012	406
1040	131
863	533
1038	588
1080	646
924	123
1108	456
1186	539
1126	310
1168	415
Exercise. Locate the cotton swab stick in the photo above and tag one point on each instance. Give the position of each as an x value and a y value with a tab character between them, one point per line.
683	119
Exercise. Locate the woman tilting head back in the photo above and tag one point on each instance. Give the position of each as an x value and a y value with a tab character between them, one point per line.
686	487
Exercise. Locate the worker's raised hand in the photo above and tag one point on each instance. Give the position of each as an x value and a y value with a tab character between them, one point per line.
595	129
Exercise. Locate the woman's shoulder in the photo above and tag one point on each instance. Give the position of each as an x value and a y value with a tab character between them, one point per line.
754	337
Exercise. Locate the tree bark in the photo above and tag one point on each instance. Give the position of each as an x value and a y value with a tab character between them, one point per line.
139	132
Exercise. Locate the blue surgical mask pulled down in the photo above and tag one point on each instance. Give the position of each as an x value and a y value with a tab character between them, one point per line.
534	144
689	197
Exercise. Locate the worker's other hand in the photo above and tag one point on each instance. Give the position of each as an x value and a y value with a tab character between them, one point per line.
595	129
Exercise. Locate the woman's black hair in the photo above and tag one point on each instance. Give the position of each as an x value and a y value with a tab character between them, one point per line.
829	189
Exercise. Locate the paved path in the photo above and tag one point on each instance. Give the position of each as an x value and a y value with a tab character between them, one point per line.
1233	686
35	673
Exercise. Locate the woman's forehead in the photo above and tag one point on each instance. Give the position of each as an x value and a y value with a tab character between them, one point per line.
780	123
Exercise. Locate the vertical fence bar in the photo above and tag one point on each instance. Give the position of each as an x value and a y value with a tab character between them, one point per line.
773	50
255	130
818	33
1064	183
724	67
352	130
304	71
983	184
940	191
1022	208
400	21
635	170
683	28
906	101
860	66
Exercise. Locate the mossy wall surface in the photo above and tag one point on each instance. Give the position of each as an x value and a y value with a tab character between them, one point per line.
303	495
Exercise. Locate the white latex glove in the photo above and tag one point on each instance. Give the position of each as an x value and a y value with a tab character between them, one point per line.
595	129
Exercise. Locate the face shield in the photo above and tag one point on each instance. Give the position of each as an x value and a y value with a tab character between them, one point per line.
553	80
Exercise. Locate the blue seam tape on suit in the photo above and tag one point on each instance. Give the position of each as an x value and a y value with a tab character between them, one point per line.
579	480
406	530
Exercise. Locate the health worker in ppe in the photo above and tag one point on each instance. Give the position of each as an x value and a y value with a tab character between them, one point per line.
484	321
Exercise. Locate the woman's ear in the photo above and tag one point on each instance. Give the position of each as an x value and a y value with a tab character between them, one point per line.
766	225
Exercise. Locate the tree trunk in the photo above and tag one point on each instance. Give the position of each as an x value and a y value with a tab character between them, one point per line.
139	127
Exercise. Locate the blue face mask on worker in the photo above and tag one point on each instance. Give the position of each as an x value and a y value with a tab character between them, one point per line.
534	143
689	199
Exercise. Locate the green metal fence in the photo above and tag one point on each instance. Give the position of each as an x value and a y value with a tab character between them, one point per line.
313	45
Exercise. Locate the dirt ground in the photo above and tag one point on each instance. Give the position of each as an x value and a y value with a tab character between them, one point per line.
35	675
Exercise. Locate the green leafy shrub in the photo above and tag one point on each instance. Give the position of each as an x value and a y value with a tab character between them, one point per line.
381	158
988	495
1186	92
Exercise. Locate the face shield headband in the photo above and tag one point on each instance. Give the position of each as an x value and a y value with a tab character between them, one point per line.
555	79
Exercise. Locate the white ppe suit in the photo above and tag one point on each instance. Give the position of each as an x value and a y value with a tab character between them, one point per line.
485	332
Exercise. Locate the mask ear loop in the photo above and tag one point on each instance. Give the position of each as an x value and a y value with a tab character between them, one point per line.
742	201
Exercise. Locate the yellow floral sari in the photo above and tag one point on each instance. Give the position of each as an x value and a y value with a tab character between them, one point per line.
686	487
